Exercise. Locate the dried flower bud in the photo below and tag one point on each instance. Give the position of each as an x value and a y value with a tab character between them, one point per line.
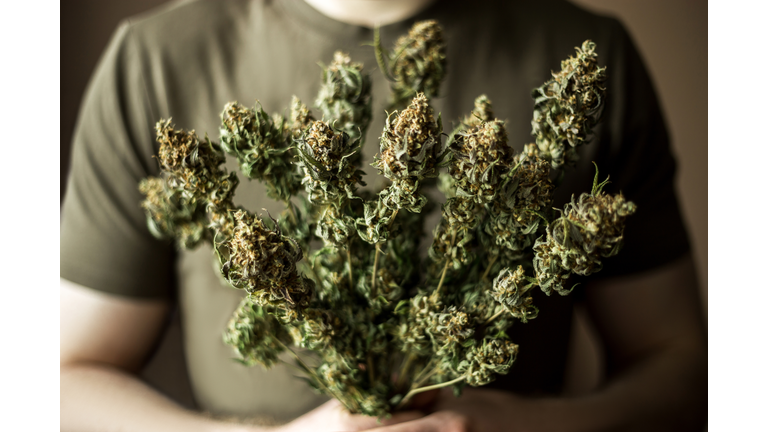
329	175
301	117
261	146
510	289
263	261
412	332
483	112
568	106
451	330
410	144
256	336
485	361
417	63
460	216
513	218
193	167
169	215
344	98
589	229
480	157
335	228
319	329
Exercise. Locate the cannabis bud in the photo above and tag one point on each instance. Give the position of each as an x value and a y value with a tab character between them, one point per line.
345	96
263	262
455	230
589	229
169	215
301	117
416	64
483	112
410	152
324	156
524	201
567	106
193	167
256	336
261	145
481	155
486	360
510	289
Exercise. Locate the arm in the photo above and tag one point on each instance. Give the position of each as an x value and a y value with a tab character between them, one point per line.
105	340
654	336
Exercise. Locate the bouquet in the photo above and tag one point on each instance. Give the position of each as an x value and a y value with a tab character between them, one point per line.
338	273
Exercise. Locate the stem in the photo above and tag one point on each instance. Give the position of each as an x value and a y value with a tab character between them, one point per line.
488	270
442	278
417	378
294	219
308	370
428	388
392	219
445	268
496	315
349	260
426	377
375	268
404	370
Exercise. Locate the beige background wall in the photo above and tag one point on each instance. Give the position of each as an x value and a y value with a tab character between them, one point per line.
671	36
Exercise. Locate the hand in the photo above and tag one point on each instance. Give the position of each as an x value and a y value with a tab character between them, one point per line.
332	416
476	410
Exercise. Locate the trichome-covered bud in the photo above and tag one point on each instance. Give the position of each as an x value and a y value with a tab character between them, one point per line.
480	158
319	328
483	112
256	336
524	199
301	117
451	330
590	228
334	227
263	262
344	98
193	166
417	63
460	216
410	143
325	157
261	145
568	106
510	289
416	319
169	215
486	360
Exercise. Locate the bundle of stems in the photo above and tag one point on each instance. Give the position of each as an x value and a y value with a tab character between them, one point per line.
339	273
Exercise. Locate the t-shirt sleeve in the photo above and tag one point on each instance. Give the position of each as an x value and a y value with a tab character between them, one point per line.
104	241
636	151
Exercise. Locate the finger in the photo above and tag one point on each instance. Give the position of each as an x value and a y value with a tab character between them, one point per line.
438	422
403	416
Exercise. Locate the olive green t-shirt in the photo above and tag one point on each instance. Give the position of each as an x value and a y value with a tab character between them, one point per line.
186	60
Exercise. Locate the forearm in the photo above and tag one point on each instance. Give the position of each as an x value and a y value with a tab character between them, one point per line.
666	391
100	398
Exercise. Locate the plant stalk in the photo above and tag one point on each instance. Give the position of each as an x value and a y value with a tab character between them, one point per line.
349	261
488	269
375	269
428	388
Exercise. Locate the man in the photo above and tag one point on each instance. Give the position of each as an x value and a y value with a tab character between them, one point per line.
187	60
